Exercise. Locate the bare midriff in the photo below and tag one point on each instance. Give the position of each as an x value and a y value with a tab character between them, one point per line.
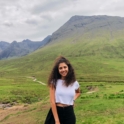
62	105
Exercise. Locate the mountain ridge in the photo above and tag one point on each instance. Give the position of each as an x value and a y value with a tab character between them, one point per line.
89	23
17	49
3	45
105	32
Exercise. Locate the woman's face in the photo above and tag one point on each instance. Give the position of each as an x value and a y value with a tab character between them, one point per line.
63	70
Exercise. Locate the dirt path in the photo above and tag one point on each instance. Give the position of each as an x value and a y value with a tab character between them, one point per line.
11	110
34	79
93	90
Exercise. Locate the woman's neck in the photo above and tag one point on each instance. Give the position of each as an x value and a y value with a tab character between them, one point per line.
62	78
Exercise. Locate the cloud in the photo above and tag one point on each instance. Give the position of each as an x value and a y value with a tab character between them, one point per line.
8	24
53	5
35	19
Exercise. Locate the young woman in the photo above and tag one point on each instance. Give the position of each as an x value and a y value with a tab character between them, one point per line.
64	90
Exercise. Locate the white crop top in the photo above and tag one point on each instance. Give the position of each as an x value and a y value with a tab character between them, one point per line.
64	94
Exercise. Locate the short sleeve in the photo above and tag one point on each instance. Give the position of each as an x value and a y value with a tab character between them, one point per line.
76	85
52	83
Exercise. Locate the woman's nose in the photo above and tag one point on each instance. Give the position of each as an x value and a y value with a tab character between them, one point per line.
63	69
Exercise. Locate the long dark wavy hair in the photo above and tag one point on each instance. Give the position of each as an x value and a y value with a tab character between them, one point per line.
54	76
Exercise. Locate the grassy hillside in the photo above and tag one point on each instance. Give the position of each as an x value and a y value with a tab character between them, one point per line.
90	68
91	61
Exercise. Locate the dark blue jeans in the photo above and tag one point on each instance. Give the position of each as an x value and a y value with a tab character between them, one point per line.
66	116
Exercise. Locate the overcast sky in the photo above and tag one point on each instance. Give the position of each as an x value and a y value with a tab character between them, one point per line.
36	19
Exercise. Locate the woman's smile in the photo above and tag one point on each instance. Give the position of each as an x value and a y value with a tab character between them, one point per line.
63	70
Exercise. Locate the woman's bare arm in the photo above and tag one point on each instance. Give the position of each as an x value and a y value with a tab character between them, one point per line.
53	105
77	94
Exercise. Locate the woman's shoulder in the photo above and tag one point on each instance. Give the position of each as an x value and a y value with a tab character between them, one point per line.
76	84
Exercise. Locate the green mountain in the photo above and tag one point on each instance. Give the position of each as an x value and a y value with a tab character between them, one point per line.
94	45
92	36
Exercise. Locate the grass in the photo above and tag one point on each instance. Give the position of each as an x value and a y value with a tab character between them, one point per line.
87	68
90	108
96	108
21	90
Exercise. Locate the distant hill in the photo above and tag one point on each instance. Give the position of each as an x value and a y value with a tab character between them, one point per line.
16	49
3	45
